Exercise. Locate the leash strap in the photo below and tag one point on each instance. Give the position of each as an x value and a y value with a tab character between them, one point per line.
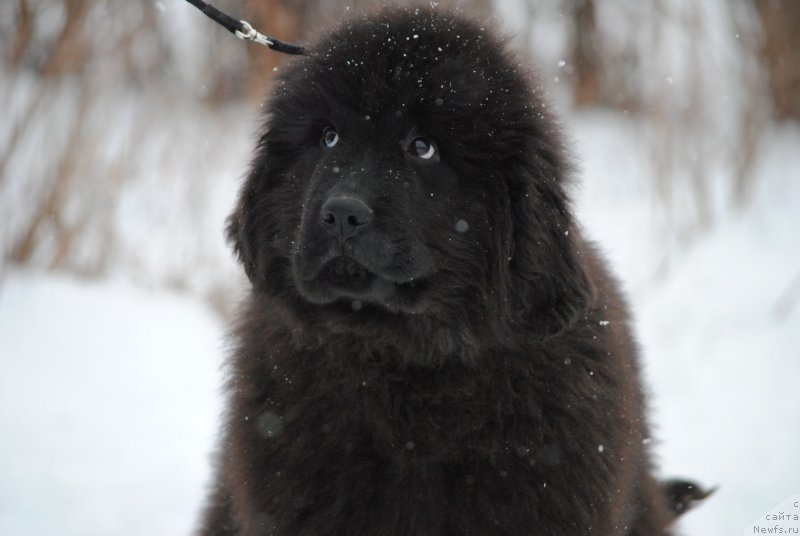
243	30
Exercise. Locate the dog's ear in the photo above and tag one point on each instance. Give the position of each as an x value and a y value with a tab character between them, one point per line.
237	232
550	287
246	219
253	230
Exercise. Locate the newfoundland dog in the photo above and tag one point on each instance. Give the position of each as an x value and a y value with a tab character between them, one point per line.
430	347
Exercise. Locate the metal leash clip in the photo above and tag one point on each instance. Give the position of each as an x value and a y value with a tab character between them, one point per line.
248	33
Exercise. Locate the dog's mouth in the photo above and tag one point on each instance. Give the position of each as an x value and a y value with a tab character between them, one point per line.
346	274
344	279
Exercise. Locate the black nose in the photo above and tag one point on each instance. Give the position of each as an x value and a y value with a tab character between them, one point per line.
344	216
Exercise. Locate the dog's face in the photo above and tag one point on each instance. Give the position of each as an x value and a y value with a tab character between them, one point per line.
362	238
405	168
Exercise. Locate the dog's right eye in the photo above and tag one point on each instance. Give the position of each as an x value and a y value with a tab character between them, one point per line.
424	149
330	137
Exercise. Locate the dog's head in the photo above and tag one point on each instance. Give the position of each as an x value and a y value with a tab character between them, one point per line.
408	168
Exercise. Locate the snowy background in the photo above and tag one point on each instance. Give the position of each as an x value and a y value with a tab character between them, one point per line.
116	286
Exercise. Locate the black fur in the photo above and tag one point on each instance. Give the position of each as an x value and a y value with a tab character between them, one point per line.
458	361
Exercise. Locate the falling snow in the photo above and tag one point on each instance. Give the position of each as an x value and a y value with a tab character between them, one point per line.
462	226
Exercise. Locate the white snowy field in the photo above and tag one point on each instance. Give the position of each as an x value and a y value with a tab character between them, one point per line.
108	407
110	393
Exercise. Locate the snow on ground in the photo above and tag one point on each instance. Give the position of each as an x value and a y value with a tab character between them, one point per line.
109	394
108	407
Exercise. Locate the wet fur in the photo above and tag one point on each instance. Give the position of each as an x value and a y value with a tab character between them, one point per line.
505	398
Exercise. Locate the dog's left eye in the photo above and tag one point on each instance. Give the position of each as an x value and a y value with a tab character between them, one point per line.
330	137
422	148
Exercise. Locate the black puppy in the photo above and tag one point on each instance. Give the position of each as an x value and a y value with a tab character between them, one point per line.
429	347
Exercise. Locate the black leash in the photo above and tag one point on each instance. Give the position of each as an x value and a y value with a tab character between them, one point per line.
243	30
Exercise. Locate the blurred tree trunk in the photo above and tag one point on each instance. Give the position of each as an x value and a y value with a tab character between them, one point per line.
23	33
585	57
599	71
781	52
72	49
